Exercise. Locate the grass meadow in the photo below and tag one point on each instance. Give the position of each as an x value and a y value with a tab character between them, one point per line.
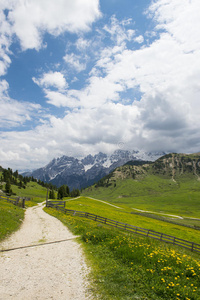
127	266
153	193
124	214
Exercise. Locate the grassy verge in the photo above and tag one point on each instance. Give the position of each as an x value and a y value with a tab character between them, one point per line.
129	267
11	217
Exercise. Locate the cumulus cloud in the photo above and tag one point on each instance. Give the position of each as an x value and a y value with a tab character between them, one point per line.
4	86
165	73
52	79
32	18
12	112
73	60
59	99
5	41
82	44
9	155
118	30
29	20
139	39
180	19
55	87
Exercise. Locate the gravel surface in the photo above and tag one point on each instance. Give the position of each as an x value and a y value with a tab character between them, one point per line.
54	269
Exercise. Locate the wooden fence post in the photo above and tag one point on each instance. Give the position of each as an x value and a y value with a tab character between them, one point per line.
23	202
47	196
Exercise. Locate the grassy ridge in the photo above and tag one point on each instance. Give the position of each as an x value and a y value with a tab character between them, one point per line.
130	267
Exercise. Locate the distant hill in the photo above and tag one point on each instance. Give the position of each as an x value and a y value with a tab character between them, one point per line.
174	167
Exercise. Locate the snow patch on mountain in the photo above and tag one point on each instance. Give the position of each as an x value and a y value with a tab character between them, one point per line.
88	167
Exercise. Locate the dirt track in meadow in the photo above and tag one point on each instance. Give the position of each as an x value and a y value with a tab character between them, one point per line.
47	271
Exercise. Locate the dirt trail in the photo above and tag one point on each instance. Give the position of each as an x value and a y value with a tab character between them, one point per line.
49	271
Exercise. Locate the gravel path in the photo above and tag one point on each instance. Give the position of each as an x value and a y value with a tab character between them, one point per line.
49	271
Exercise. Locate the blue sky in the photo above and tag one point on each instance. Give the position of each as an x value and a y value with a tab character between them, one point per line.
78	77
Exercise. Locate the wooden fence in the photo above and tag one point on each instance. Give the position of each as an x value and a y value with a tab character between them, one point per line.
60	205
19	201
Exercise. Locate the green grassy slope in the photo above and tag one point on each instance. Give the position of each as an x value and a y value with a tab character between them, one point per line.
171	184
33	190
151	193
11	217
127	266
124	214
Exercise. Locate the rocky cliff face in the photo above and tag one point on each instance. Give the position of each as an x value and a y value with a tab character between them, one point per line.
175	165
79	173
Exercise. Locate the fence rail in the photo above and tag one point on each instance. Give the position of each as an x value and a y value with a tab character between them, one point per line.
19	201
60	205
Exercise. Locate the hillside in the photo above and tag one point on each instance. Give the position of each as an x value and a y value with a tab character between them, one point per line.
170	184
177	167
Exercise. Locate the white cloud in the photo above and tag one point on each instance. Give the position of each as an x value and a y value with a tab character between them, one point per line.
5	41
32	18
74	61
61	100
9	156
52	79
181	19
12	112
4	86
82	44
118	31
164	72
60	97
139	39
25	147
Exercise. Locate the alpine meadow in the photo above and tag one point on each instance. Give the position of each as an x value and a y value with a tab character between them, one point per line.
100	149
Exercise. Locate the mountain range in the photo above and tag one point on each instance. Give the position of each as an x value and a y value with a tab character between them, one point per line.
152	178
80	173
173	166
